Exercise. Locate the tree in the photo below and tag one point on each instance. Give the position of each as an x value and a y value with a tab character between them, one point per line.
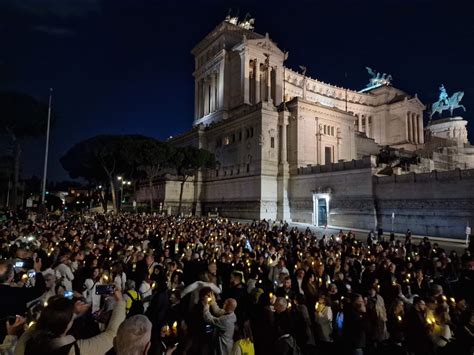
153	157
188	161
21	117
102	159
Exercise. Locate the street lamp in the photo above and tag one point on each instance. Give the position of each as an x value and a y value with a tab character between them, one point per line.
122	183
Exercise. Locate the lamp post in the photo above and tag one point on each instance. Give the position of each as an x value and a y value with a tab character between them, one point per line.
123	182
119	178
45	168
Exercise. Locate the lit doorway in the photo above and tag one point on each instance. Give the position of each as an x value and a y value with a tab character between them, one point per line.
320	209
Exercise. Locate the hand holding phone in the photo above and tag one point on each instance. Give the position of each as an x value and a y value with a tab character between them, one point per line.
15	324
105	289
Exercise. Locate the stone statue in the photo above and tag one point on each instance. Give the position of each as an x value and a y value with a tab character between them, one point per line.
303	69
231	19
443	95
378	79
247	23
266	65
447	103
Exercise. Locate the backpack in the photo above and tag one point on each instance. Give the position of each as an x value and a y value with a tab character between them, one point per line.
136	307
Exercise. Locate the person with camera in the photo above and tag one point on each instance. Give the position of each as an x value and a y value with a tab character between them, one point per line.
14	326
14	299
50	335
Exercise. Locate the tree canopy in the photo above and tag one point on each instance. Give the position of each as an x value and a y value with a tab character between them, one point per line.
188	161
102	159
22	115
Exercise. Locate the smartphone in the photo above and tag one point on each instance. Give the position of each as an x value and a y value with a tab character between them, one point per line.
69	294
104	289
31	274
19	264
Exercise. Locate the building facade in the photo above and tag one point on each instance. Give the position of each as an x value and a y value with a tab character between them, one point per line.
288	146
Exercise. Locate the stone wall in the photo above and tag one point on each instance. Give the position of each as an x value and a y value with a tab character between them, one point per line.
438	204
167	193
349	185
238	196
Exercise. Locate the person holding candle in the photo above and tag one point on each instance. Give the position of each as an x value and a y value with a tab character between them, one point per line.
323	317
419	328
224	321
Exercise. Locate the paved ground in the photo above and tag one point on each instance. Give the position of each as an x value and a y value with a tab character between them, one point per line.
362	235
458	246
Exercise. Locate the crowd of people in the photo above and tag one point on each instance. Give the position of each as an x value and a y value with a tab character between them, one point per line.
131	284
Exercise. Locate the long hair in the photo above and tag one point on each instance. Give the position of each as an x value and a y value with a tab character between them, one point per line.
52	323
244	332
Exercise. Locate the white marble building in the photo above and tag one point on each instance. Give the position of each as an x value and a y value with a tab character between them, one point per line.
266	122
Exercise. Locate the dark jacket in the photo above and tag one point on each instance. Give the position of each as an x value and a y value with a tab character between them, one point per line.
417	333
158	309
13	300
354	331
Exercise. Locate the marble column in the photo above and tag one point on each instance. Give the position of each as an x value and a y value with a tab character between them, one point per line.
409	129
220	101
279	77
216	91
244	76
360	123
201	97
211	93
257	81
283	139
420	129
269	84
252	81
206	96
415	128
196	99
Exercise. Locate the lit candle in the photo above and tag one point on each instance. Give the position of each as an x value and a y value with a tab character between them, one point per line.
175	327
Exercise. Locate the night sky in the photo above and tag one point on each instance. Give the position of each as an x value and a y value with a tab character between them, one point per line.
122	66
